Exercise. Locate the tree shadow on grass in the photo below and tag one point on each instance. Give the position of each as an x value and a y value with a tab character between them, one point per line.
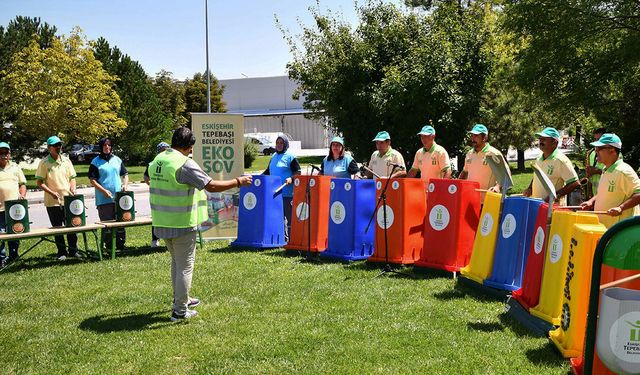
463	290
238	250
546	355
485	326
41	262
137	251
126	322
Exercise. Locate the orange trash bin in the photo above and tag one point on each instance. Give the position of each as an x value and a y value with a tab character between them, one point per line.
453	209
319	189
406	208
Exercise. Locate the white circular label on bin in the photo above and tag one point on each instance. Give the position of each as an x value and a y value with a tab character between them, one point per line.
297	182
395	185
76	207
125	202
249	201
555	248
257	182
17	212
452	189
378	185
432	187
338	212
624	337
312	182
347	186
380	217
332	185
508	226
302	211
487	224
439	217
538	240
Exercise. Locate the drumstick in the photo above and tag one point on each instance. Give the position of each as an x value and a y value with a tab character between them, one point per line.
482	190
621	281
372	172
279	189
571	207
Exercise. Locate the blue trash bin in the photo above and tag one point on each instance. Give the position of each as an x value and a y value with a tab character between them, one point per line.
352	203
517	225
260	220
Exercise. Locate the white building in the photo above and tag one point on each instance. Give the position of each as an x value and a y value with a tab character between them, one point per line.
268	106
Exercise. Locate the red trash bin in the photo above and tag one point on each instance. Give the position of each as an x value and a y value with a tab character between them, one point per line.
453	211
319	188
406	207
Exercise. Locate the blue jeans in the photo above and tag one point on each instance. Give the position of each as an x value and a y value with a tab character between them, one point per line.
13	245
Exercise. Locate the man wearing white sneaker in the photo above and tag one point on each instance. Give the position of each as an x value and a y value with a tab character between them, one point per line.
178	206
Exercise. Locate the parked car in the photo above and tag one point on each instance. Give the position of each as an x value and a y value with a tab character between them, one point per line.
263	145
75	151
87	154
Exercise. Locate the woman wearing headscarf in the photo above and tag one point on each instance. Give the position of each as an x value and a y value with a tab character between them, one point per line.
337	163
105	173
285	165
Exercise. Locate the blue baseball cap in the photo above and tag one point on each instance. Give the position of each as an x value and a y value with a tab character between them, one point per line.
427	130
53	140
337	140
609	139
382	136
4	145
549	133
479	129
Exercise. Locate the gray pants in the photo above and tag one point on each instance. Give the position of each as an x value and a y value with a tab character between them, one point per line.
183	256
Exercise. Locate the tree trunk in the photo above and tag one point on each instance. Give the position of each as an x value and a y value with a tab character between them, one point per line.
520	160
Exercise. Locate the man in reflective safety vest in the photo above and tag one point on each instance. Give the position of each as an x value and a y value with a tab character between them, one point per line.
178	206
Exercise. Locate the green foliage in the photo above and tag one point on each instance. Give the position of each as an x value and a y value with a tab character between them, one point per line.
396	71
14	38
61	90
195	95
582	59
171	94
148	123
250	154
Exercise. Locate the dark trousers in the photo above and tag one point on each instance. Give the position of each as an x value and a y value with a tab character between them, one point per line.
56	217
286	201
13	245
108	212
153	235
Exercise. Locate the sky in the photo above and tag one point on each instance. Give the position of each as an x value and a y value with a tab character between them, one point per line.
170	34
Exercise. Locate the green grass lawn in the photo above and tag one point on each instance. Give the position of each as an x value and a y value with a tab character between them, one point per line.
262	312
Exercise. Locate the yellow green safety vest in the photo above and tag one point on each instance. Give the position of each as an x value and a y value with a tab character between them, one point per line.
174	205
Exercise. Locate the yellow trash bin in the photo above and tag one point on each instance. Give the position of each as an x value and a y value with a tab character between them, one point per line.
569	337
549	306
484	246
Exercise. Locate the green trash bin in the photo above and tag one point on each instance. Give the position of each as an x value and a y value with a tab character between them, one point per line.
125	206
16	215
74	213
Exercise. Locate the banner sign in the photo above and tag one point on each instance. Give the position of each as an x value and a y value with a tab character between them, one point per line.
219	150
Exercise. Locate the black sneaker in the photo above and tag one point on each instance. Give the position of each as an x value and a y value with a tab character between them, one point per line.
187	315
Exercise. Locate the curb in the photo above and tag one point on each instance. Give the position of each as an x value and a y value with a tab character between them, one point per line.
37	196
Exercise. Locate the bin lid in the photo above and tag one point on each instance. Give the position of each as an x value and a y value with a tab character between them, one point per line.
546	182
623	250
499	169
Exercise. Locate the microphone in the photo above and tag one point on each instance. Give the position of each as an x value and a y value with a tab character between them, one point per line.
313	167
390	164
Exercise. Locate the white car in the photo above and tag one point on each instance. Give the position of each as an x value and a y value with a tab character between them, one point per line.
263	144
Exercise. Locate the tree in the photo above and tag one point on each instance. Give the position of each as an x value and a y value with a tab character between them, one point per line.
60	90
582	58
171	94
148	124
396	71
195	95
14	38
